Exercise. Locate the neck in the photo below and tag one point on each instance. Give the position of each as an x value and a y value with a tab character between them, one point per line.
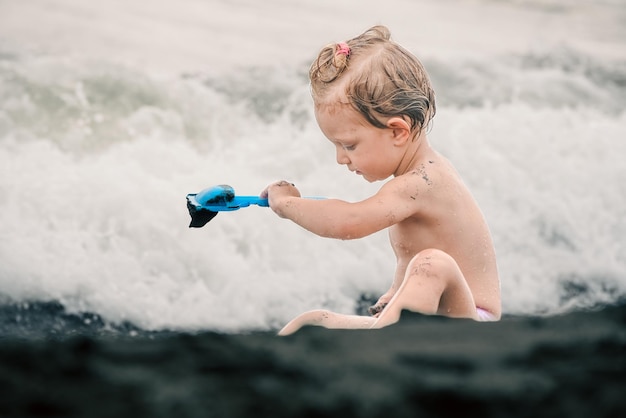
414	154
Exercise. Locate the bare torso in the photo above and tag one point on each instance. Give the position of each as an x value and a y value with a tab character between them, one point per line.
449	219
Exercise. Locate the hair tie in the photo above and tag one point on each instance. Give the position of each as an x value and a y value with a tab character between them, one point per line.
343	49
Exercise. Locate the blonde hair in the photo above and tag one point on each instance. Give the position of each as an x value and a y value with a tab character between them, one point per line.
380	78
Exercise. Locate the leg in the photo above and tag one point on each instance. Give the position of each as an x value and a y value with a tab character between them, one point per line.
327	319
433	284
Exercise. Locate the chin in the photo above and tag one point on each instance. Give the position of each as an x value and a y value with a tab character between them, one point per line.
368	178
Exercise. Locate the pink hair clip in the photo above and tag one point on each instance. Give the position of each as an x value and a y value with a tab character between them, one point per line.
343	48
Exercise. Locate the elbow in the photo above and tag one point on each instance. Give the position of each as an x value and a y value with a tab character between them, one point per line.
346	231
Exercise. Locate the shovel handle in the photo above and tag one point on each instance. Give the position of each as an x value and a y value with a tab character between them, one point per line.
222	198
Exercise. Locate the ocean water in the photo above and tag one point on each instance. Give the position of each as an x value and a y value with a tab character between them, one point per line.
111	113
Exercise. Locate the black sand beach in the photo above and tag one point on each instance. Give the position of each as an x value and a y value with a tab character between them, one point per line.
567	366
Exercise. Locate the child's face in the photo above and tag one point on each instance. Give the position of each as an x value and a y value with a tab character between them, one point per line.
366	150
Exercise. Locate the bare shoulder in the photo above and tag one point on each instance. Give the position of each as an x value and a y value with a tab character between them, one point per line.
430	179
405	191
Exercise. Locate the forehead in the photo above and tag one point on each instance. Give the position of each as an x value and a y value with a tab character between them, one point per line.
338	120
340	112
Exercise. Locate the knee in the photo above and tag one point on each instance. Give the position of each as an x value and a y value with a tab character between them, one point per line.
431	263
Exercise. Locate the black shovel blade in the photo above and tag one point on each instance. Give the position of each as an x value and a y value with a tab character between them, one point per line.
199	216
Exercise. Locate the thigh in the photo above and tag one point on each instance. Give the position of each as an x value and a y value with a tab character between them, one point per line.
433	285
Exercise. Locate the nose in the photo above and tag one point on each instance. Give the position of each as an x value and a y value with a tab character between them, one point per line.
342	156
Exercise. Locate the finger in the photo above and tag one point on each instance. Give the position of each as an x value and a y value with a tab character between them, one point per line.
373	310
376	309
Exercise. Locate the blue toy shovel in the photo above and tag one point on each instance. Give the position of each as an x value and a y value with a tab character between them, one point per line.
205	205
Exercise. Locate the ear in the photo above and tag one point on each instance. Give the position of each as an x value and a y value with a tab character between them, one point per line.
401	130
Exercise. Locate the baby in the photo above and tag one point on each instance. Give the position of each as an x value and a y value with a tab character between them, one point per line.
373	101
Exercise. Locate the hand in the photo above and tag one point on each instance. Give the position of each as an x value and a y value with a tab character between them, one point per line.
276	192
378	307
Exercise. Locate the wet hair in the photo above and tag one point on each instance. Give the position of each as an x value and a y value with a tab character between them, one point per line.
379	77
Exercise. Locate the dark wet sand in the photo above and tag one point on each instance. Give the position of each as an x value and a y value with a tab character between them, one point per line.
567	366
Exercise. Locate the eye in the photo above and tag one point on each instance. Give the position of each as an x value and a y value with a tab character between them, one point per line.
349	147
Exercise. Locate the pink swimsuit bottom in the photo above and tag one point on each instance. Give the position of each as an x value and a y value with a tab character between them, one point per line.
484	315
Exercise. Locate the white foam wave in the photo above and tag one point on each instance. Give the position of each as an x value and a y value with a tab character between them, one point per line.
96	157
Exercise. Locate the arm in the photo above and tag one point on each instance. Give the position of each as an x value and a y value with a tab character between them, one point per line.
398	278
335	218
331	218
